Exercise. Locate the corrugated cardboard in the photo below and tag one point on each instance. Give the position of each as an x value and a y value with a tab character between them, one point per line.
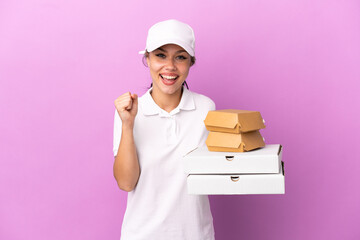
229	142
227	184
263	160
233	121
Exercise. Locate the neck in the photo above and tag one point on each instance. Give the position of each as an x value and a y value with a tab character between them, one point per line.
167	102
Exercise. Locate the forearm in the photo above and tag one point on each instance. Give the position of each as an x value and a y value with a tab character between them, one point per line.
126	165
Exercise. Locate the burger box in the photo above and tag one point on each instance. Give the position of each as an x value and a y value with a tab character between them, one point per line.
233	121
230	142
264	160
231	184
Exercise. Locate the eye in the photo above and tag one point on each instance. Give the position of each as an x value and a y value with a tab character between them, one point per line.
181	57
160	55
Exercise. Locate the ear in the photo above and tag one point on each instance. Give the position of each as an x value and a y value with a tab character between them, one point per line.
192	61
148	61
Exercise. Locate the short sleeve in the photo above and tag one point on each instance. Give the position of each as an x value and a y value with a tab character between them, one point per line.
117	132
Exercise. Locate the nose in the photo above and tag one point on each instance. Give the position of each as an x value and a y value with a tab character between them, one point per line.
170	65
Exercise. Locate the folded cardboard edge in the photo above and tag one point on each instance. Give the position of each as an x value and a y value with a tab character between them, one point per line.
227	149
228	120
282	166
253	140
235	129
221	119
280	150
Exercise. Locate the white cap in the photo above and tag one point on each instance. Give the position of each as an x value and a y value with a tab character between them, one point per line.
170	31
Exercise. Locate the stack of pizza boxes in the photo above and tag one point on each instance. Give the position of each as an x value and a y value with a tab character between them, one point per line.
236	159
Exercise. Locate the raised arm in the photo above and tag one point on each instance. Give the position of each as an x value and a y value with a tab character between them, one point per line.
126	164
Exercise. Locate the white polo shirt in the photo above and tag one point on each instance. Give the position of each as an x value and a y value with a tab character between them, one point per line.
159	208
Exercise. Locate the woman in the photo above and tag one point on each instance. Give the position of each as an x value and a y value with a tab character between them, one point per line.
152	134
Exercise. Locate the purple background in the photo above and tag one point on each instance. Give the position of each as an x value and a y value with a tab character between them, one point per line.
63	63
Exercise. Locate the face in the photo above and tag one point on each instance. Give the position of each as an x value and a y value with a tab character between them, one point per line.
169	67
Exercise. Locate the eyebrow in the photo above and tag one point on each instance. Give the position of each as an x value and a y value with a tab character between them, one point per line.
176	52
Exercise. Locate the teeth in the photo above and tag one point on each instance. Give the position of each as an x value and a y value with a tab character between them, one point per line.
169	77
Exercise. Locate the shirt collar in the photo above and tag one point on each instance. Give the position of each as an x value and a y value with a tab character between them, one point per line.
151	108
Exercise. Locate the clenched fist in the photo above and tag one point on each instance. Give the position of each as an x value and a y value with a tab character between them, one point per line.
127	107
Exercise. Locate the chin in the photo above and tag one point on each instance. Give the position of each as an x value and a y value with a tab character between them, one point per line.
166	89
170	90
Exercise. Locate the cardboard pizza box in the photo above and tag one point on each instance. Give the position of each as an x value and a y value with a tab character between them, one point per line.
263	160
231	184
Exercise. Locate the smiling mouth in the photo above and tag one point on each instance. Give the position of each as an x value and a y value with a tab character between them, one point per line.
169	80
169	77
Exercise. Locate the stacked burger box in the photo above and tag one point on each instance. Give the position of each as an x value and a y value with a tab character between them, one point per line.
234	130
236	159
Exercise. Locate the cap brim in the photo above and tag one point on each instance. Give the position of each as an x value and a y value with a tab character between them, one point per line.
187	48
